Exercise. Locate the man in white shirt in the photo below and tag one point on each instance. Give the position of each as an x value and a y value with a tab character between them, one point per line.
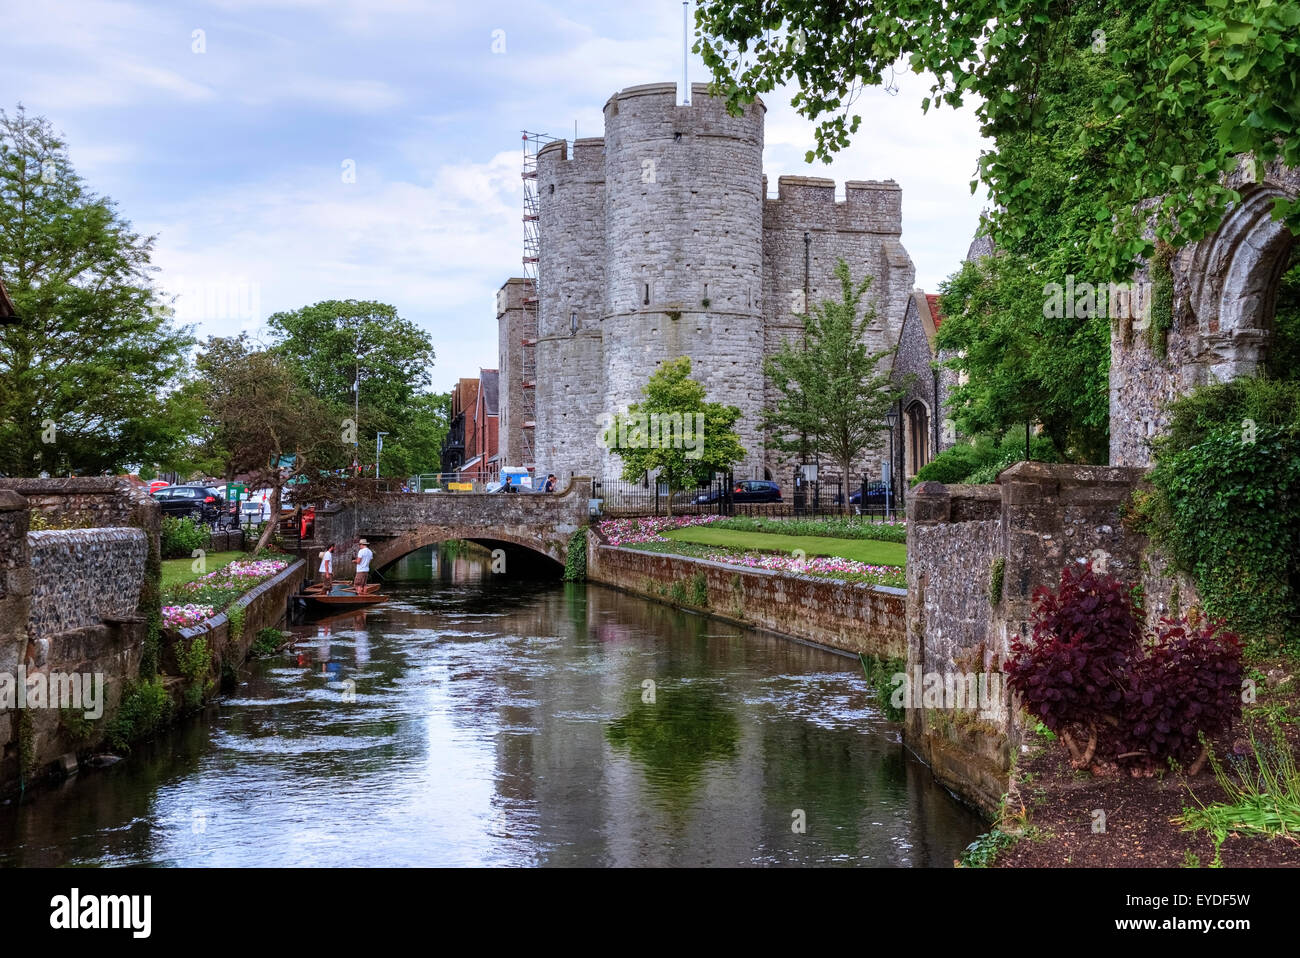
364	555
327	567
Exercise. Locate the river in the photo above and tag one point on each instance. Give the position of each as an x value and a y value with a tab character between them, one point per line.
481	719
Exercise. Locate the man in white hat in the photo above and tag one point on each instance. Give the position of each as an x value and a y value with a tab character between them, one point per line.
364	555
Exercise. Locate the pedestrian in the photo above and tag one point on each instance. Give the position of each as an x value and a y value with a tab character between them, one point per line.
327	567
550	483
364	555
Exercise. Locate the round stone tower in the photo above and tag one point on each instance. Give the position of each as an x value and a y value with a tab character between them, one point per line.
570	373
683	269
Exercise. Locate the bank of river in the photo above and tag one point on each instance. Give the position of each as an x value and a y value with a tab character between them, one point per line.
480	719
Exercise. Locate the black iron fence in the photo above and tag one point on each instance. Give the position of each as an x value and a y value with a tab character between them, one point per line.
727	495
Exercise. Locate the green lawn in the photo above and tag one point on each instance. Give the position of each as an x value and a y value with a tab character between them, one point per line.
870	551
176	571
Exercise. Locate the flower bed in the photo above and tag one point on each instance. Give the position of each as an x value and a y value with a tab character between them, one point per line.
831	567
623	532
192	602
183	616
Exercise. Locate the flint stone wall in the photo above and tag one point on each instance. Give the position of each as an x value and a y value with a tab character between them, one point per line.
82	576
1037	519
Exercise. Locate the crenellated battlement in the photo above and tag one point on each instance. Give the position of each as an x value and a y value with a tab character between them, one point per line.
810	202
587	158
651	112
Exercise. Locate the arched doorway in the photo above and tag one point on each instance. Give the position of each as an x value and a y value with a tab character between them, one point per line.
917	440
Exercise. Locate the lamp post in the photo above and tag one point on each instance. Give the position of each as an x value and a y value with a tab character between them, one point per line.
379	447
891	418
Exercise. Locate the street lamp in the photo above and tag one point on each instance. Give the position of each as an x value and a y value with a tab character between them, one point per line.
379	447
891	418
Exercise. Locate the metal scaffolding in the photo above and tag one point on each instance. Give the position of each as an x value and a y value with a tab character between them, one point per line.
533	143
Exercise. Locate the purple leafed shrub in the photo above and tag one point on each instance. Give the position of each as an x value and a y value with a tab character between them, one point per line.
1114	694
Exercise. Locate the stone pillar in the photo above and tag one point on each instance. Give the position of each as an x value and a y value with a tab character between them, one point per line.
15	609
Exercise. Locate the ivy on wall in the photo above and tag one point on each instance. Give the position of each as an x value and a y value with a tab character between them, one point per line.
575	563
1162	299
1225	503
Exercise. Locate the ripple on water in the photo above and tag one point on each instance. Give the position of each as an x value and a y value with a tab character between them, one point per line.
303	745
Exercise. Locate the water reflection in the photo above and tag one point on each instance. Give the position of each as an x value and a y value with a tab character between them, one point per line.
481	719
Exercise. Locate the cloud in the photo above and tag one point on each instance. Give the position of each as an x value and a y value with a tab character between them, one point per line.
232	157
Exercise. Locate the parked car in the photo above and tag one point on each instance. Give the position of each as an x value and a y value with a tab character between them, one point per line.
157	484
746	490
203	503
875	495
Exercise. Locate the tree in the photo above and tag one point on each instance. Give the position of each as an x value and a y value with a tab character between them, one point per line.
261	423
338	343
1196	84
1021	365
93	367
831	393
415	445
675	431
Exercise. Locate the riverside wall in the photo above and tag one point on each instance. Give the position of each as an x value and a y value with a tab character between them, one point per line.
849	617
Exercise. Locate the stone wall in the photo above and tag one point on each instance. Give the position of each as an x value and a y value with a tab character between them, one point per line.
1036	520
15	607
848	616
1224	296
88	501
73	602
82	576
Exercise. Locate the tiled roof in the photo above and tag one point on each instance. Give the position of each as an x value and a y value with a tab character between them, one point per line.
933	300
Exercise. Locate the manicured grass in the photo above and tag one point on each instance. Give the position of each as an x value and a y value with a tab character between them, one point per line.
176	571
869	551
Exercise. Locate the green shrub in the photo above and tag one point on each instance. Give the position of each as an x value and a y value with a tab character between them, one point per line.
575	563
955	464
700	590
880	676
145	708
79	729
195	664
1225	503
235	616
180	537
981	461
268	641
983	852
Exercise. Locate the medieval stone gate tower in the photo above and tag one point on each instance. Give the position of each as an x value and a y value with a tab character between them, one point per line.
658	241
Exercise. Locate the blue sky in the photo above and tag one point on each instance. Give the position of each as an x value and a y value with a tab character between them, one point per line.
233	157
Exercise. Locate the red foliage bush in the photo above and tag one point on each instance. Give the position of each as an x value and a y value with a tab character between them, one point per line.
1115	695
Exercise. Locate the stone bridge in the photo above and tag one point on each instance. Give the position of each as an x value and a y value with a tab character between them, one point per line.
399	523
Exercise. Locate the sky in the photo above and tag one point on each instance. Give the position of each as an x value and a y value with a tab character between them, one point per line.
284	152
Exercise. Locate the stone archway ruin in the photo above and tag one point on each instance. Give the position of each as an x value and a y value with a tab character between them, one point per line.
1224	296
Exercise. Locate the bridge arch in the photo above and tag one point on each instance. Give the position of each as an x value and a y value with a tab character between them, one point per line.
390	550
399	523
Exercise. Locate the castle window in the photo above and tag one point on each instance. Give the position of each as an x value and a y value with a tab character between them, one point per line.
646	299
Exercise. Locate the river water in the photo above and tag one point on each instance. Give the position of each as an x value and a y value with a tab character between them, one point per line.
480	719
